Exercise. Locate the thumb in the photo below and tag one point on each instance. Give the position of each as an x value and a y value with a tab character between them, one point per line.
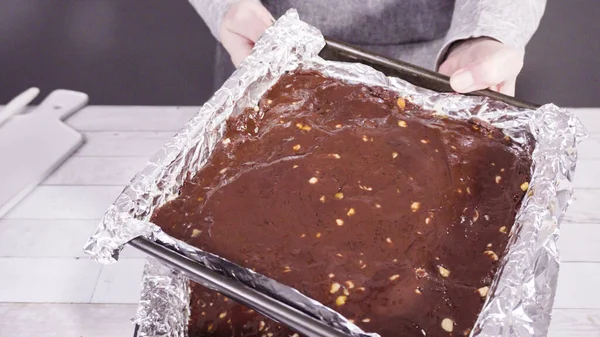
263	14
504	64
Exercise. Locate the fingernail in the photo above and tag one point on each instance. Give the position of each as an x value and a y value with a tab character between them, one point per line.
462	81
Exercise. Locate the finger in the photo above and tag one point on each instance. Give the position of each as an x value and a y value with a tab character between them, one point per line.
508	87
247	24
504	64
238	47
449	66
263	14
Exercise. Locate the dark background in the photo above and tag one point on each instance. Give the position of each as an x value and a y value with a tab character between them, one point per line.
158	52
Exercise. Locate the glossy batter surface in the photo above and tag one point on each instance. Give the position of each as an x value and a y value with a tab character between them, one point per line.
393	216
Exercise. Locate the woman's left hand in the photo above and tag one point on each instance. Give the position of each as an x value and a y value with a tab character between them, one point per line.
483	63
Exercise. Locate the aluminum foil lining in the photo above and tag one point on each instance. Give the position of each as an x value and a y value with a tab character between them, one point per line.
521	297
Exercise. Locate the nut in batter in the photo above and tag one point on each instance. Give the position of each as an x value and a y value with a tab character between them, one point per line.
313	180
334	288
401	103
491	255
447	324
365	188
443	271
303	127
339	222
483	291
524	186
415	206
476	216
341	300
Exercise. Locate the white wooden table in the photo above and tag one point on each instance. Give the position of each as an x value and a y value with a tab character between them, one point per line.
49	288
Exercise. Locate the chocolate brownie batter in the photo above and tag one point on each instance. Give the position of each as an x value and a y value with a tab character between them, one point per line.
391	215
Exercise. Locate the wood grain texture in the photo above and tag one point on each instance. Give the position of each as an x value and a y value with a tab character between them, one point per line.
43	238
577	286
589	117
123	143
132	118
585	207
579	242
120	282
66	202
590	148
587	174
47	280
66	320
97	171
575	323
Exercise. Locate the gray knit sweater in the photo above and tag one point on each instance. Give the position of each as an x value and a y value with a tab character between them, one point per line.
416	31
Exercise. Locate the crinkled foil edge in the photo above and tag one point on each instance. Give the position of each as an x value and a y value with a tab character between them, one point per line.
521	298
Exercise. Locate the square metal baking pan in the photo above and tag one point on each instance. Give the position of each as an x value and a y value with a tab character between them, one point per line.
333	51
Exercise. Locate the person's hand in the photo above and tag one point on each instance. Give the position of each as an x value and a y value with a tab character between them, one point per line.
483	63
244	22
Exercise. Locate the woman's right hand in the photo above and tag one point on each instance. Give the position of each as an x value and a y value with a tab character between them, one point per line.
244	22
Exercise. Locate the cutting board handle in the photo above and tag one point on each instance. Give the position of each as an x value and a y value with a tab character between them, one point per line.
61	103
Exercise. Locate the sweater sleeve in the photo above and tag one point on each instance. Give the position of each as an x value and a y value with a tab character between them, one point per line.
511	22
212	12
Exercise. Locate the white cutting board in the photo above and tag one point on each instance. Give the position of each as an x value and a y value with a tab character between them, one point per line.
34	144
